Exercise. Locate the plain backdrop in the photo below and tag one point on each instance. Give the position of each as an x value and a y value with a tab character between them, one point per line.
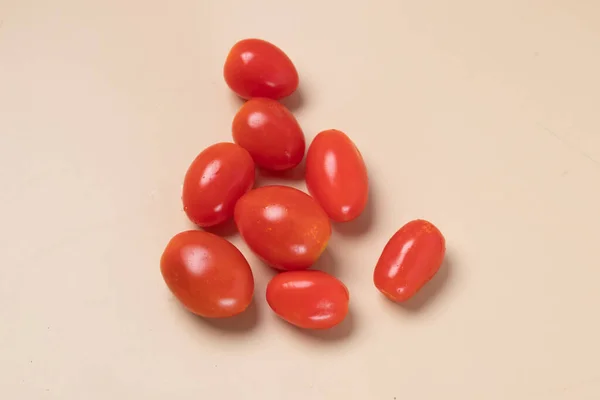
480	116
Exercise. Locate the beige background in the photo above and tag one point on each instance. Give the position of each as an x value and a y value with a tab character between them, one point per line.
481	116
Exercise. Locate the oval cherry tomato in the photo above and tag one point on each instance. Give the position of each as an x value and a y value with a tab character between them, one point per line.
207	274
257	68
409	260
215	180
308	299
283	226
270	133
336	175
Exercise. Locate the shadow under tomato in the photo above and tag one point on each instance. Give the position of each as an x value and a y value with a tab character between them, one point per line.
363	223
265	177
432	289
236	100
338	333
294	101
326	263
225	229
241	323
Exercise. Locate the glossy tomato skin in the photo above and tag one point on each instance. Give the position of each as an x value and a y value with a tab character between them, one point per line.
336	175
308	299
284	226
215	180
409	260
270	133
257	68
207	274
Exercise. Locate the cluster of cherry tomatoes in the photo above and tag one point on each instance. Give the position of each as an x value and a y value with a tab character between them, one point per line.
285	227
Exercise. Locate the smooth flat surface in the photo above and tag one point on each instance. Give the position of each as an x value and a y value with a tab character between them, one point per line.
481	116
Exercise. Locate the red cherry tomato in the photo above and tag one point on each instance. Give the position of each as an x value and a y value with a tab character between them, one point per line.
217	178
207	274
283	226
270	133
308	299
257	68
409	260
336	175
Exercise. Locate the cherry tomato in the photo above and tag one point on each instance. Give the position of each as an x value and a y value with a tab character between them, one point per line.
409	260
217	178
336	175
207	274
270	133
257	68
283	226
308	299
